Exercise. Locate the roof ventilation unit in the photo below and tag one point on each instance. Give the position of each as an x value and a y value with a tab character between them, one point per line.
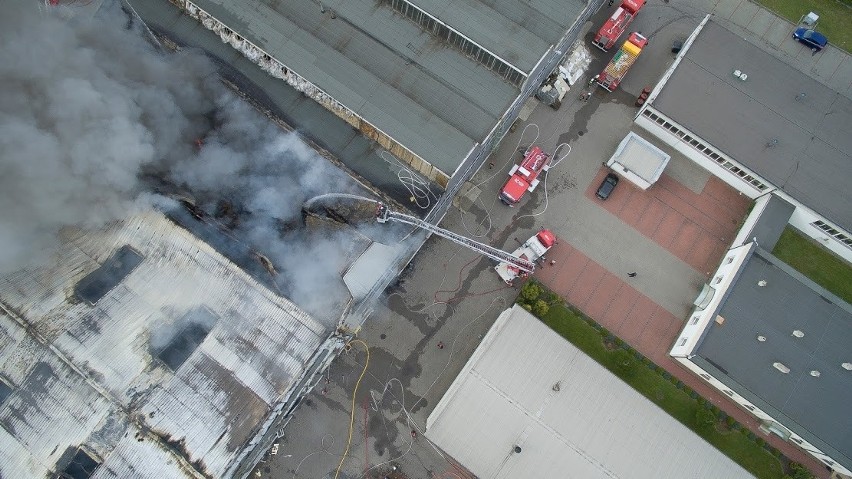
798	333
815	373
847	366
761	283
761	338
781	367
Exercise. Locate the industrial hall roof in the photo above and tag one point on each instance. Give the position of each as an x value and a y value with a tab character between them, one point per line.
138	350
414	86
530	404
779	122
784	346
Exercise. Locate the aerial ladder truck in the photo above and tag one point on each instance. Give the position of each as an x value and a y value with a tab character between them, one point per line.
514	265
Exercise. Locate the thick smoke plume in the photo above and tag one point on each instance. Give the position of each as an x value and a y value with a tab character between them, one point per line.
87	104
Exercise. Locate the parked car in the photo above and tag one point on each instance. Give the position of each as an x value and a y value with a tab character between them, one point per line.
606	187
812	39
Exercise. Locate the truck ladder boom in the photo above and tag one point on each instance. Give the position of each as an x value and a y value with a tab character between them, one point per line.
384	214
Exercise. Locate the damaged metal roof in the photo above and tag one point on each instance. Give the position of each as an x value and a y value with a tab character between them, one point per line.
85	376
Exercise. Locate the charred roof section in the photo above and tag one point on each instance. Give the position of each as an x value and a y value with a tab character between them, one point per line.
101	281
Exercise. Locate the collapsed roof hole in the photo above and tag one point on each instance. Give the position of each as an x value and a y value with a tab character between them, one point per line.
82	466
5	391
173	344
101	281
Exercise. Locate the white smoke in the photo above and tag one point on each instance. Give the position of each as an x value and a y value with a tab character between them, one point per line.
88	103
84	105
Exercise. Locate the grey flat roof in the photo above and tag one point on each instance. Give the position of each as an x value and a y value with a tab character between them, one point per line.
772	222
811	160
593	426
426	95
817	408
520	32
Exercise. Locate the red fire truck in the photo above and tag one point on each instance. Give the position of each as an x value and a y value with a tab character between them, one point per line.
617	24
524	177
624	58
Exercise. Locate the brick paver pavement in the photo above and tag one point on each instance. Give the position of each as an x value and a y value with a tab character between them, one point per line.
697	228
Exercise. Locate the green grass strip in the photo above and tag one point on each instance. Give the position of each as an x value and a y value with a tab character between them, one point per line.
671	395
816	262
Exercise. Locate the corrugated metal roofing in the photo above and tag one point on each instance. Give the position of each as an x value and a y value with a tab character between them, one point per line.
86	375
592	426
428	97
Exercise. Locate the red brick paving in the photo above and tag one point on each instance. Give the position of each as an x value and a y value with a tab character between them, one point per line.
697	228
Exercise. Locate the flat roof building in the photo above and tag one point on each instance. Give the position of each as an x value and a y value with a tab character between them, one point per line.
760	125
426	81
140	351
530	404
762	333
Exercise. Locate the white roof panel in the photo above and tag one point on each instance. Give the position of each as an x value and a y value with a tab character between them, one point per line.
593	426
89	374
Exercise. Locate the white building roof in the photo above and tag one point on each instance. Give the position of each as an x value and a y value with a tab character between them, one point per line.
639	161
594	426
87	362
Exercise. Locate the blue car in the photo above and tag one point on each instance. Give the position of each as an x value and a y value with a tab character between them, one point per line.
813	39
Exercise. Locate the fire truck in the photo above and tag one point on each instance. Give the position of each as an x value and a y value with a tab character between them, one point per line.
532	250
524	177
617	24
520	263
624	58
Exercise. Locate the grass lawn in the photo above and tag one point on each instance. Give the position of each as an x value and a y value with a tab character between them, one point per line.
835	17
658	386
814	261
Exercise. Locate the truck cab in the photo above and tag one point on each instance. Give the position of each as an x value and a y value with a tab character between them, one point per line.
524	177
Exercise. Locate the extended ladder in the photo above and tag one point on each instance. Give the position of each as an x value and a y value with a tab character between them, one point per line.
383	214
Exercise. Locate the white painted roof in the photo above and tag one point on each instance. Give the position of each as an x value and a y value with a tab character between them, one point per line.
594	426
639	161
85	374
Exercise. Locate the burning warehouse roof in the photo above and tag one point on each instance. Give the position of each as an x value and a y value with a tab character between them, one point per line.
139	351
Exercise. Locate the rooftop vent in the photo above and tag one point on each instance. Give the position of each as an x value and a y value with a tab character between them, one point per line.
798	333
761	283
815	373
781	367
847	366
761	338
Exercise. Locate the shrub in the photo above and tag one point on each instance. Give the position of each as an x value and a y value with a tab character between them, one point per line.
798	471
530	292
526	306
604	332
760	441
540	308
731	422
704	418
